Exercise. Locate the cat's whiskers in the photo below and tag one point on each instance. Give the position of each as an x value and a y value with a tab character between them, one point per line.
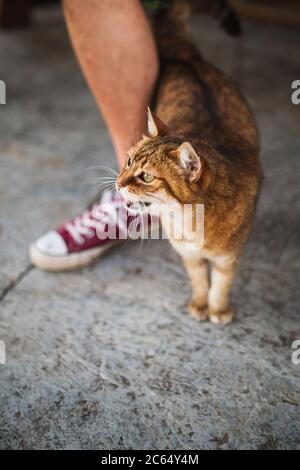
143	209
154	196
102	168
104	179
143	227
133	229
103	182
140	210
102	187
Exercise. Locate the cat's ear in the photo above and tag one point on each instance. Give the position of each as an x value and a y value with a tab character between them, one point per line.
190	161
156	126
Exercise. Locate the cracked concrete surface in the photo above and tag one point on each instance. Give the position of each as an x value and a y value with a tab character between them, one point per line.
106	357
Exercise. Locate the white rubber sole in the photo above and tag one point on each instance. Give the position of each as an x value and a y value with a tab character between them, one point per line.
69	262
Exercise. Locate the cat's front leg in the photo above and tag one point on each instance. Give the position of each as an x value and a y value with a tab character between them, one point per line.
222	275
197	270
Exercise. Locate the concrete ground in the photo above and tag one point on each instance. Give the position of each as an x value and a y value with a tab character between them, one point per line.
106	357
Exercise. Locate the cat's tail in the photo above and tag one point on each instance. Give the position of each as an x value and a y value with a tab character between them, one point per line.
172	26
221	11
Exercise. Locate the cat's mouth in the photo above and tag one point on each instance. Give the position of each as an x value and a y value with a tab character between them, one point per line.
133	204
136	207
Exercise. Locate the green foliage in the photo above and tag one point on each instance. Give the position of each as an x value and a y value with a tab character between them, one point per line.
154	5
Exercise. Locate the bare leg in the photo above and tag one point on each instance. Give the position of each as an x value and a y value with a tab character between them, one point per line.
222	275
116	50
198	274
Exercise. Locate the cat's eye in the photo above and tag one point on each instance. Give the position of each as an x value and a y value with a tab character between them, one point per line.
146	177
129	162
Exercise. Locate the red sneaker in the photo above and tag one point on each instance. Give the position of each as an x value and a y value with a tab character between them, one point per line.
83	239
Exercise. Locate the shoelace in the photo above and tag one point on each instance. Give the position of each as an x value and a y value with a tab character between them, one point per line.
96	219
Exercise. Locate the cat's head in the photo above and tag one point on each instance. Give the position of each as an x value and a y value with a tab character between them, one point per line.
163	169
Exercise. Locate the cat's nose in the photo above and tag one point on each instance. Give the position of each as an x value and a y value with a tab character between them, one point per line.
123	181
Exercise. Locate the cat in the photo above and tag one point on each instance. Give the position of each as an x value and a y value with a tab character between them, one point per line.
202	149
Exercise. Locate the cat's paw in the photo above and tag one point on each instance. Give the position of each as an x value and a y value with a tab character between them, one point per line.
200	312
221	318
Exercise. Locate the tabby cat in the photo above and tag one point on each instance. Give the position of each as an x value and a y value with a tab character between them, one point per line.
203	149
